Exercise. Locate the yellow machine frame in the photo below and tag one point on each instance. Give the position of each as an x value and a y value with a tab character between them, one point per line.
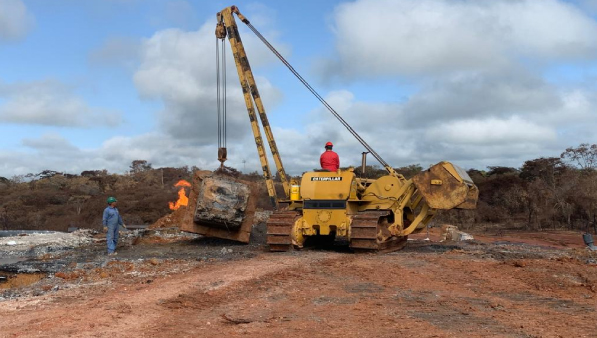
226	26
368	213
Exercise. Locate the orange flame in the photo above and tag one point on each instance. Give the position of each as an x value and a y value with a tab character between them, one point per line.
182	183
183	200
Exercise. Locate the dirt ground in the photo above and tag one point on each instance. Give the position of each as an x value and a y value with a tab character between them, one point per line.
539	284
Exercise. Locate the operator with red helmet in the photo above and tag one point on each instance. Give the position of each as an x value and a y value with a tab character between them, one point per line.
329	160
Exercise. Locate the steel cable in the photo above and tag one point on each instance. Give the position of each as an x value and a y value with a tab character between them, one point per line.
221	92
319	97
218	90
224	90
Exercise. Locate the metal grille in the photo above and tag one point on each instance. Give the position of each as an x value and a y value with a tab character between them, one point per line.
324	204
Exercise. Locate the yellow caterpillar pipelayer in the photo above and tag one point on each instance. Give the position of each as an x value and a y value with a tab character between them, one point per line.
364	213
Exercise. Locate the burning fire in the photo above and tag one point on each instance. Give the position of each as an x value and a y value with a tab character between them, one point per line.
183	200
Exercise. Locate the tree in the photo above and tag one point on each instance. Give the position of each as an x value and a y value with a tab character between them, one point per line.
253	176
550	191
78	202
16	179
585	156
410	170
94	173
497	170
4	219
585	197
48	174
546	169
371	171
476	175
138	166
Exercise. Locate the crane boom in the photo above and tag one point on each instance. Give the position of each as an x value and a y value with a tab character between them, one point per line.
388	168
226	26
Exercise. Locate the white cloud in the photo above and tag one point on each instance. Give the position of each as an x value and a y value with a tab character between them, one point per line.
15	20
178	67
589	6
480	99
157	148
49	141
474	142
53	152
122	51
470	140
50	103
180	13
490	131
481	95
402	37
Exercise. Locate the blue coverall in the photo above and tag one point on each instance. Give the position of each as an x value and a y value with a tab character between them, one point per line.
112	221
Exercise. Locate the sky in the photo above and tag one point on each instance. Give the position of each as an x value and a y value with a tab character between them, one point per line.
96	84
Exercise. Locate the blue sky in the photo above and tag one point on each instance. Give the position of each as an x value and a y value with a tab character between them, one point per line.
97	84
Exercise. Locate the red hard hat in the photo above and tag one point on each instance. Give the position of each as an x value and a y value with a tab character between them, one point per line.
329	144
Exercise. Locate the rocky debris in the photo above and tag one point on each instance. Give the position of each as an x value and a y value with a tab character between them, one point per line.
38	244
451	233
154	261
261	216
98	270
259	234
225	251
171	220
163	235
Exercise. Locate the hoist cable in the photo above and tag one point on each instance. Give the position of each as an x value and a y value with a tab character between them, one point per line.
319	97
221	92
218	90
224	90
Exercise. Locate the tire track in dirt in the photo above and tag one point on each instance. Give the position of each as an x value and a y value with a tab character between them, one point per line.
350	295
413	294
509	297
454	293
128	310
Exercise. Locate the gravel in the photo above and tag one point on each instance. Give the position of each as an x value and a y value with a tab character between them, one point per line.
38	244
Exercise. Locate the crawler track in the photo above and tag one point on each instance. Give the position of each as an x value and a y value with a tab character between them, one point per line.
279	227
366	233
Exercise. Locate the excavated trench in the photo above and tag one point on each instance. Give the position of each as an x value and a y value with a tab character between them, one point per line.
28	256
63	260
10	275
16	280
